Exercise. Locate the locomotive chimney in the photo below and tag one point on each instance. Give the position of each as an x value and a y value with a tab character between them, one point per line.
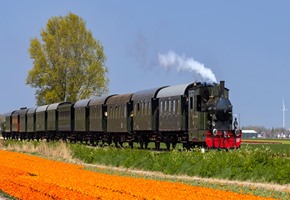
222	88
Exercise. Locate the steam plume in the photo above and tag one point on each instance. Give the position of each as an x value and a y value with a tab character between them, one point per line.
171	59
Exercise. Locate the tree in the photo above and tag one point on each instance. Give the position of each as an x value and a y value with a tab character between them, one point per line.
68	64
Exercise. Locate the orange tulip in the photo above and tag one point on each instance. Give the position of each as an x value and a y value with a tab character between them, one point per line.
30	177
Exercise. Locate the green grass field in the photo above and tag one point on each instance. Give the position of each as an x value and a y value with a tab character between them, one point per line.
283	141
276	145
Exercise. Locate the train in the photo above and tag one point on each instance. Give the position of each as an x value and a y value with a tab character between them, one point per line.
192	114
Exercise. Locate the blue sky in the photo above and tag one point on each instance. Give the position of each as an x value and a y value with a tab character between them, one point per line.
245	43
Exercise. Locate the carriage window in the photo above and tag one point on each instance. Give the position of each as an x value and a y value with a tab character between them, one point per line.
113	113
165	106
169	105
125	111
174	106
161	106
145	110
149	108
121	111
198	103
191	102
135	109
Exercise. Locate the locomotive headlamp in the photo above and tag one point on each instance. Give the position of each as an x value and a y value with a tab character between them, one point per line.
214	131
237	132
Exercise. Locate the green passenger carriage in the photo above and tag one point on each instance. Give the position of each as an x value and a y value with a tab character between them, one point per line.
81	122
146	116
98	119
66	120
120	118
31	119
41	121
23	123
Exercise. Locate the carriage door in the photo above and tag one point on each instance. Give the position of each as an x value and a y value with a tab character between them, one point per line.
191	116
197	119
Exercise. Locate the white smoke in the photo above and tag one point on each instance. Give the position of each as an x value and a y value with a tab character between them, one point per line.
171	59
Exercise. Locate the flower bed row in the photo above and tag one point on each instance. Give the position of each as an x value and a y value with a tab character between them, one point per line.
30	177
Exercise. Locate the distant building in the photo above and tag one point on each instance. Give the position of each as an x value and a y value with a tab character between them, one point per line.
249	134
282	135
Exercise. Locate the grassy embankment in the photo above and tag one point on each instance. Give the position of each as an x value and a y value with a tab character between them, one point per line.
246	164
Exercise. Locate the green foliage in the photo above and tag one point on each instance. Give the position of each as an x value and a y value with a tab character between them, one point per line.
5	196
68	63
258	165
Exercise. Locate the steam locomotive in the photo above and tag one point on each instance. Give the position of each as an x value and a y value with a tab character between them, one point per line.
192	114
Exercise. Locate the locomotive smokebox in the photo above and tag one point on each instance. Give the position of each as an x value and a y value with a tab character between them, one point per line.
222	88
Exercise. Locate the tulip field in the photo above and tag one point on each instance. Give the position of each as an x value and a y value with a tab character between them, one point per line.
30	177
